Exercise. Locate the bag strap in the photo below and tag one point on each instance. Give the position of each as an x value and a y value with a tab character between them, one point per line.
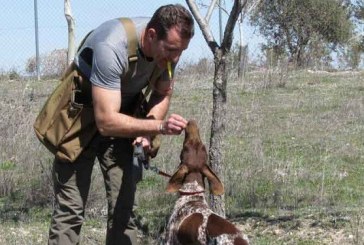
84	40
133	57
132	39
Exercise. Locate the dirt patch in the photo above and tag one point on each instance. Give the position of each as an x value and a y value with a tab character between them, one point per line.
308	230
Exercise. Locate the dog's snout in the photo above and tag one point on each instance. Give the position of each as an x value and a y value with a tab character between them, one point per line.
192	133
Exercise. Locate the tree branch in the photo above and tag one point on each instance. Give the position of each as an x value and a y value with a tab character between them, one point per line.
204	26
210	10
71	31
230	25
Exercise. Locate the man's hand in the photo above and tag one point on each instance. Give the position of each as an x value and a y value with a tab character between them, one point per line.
174	125
144	141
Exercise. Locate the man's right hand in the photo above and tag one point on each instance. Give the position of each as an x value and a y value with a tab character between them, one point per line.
174	125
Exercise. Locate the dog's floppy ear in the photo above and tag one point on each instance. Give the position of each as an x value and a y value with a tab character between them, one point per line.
176	181
216	187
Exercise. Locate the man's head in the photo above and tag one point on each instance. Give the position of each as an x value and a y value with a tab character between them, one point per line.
169	16
168	33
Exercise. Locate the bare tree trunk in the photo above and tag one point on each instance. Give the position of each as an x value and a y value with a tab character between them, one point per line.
219	90
71	31
242	54
218	128
243	61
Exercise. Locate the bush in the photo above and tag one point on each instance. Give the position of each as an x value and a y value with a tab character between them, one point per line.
52	64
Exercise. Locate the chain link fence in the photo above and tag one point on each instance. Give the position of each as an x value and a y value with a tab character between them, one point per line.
17	34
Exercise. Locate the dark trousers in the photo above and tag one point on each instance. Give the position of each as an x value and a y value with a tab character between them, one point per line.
72	184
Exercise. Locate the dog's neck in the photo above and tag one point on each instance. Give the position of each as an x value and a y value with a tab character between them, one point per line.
191	188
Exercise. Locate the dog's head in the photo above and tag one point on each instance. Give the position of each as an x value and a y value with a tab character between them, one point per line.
193	166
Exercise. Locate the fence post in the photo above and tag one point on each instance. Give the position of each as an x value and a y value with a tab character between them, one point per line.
36	39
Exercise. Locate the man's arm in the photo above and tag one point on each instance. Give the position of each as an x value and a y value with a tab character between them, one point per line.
110	122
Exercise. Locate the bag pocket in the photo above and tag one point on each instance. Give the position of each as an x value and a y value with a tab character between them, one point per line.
79	129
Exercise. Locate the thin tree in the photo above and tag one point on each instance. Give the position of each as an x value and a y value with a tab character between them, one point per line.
220	53
71	30
243	49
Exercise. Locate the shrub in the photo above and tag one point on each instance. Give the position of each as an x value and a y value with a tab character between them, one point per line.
52	64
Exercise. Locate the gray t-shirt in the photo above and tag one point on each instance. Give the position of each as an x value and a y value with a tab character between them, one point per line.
107	48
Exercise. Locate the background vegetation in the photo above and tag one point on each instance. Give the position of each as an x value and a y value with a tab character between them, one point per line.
305	31
293	158
293	151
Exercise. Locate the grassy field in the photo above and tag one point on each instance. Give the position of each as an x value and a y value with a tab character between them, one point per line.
293	160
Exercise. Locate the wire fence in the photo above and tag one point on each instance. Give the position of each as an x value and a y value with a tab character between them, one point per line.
17	34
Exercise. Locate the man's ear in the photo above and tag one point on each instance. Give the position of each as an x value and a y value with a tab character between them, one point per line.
152	34
176	181
216	186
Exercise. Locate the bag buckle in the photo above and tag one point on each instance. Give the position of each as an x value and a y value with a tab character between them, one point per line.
75	106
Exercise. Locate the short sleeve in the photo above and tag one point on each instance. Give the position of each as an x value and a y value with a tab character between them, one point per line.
108	65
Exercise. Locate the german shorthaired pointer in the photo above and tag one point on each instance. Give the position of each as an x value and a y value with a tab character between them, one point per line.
192	221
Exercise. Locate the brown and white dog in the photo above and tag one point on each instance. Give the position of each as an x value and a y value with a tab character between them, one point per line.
192	221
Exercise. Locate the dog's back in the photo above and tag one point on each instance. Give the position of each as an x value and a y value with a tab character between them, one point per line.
193	222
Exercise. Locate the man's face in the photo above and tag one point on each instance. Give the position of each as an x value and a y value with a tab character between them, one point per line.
170	48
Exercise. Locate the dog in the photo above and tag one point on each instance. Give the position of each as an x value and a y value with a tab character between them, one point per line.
192	221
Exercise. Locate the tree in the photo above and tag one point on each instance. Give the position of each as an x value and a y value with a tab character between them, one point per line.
220	53
292	25
359	16
52	64
71	30
359	10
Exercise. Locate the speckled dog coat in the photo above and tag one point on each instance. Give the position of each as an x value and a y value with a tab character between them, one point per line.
188	204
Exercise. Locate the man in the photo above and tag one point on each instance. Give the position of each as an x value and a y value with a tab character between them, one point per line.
103	60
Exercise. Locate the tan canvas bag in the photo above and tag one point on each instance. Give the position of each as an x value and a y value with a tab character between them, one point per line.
64	125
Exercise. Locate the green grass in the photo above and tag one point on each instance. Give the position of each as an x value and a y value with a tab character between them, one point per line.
293	147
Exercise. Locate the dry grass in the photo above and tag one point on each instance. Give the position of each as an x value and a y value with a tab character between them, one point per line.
293	148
